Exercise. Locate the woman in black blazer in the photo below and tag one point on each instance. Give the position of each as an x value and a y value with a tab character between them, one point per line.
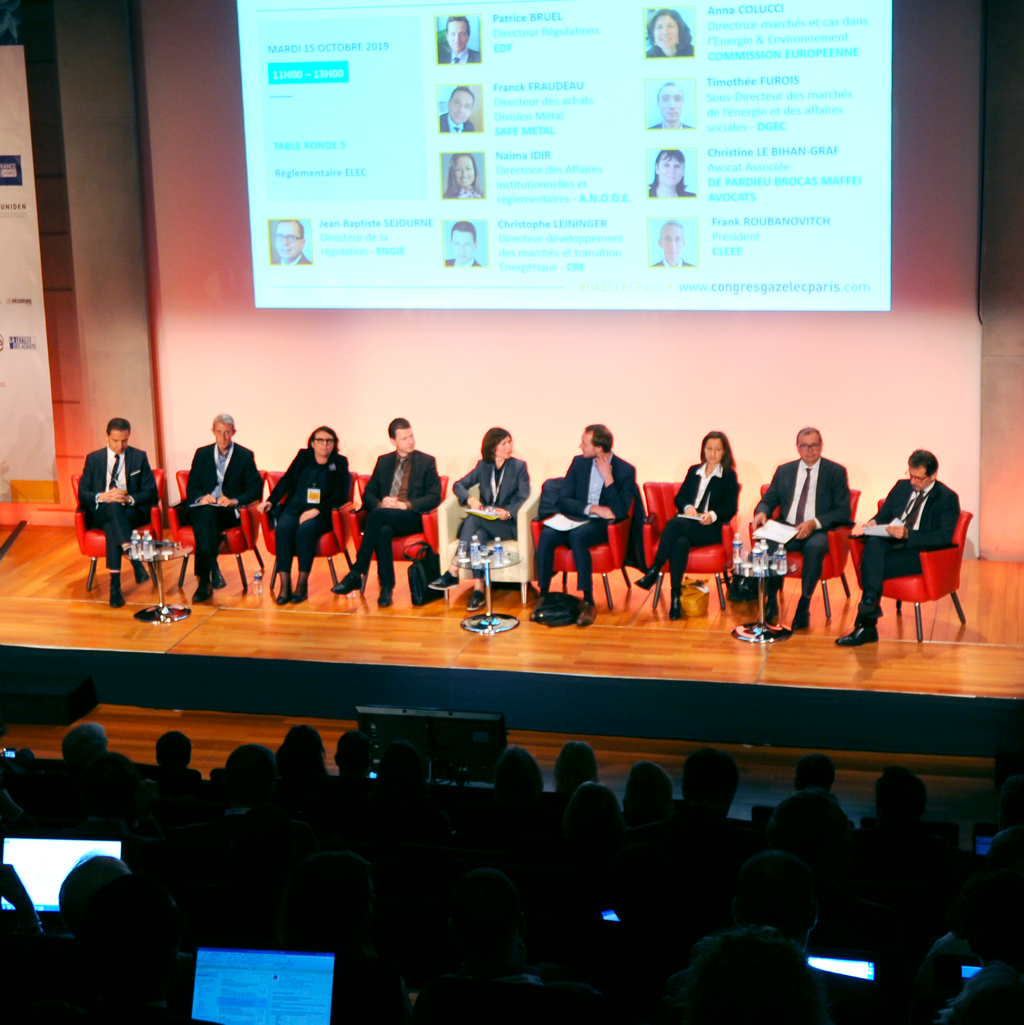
710	492
316	483
504	484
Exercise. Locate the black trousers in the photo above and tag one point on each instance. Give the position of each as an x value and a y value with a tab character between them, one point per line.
486	530
208	523
117	522
381	528
677	540
298	539
593	532
814	548
882	560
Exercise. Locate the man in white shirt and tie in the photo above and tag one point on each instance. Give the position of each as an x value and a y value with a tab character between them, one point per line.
455	49
116	492
460	106
813	495
919	513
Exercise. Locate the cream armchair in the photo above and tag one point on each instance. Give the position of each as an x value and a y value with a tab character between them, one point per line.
449	518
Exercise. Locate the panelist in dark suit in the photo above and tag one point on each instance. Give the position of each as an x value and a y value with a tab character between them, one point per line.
460	106
710	491
812	494
223	477
455	49
116	492
504	485
598	488
920	513
315	484
403	486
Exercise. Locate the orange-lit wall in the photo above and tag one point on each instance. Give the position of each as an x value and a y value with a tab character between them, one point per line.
878	385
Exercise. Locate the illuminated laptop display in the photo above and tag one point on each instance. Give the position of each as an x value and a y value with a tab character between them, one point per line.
43	864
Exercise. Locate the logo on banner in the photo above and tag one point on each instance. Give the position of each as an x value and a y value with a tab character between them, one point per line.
21	342
10	170
13	301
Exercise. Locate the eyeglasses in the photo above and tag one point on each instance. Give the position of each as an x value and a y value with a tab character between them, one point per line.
323	441
816	444
917	478
290	239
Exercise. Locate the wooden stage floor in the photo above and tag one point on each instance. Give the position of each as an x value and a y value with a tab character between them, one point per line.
44	604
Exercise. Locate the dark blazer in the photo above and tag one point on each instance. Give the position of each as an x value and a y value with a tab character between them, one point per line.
468	126
444	55
138	476
938	519
242	480
722	496
618	496
424	483
335	492
831	497
513	490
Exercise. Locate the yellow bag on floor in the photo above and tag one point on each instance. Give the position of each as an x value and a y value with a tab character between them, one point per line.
695	598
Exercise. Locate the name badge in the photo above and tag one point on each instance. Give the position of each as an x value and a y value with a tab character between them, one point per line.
312	496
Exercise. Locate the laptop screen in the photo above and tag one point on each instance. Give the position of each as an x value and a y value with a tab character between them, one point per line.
236	986
43	864
852	967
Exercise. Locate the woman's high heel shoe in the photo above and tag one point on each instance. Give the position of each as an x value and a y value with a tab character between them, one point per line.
649	579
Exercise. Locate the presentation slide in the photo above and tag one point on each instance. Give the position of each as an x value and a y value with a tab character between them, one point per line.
571	155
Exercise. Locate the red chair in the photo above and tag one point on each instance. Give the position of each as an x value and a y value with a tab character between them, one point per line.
236	539
606	557
939	576
710	560
334	542
93	542
357	518
836	558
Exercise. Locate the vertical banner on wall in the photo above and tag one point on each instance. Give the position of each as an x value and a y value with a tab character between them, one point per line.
28	471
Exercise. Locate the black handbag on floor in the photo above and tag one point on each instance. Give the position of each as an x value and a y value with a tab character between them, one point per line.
426	566
558	609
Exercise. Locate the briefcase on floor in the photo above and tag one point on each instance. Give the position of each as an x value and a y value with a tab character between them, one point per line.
426	566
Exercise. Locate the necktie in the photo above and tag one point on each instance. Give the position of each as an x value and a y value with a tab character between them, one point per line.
113	472
396	481
455	60
801	506
913	511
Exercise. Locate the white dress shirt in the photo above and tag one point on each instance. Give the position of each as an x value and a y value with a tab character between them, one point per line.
705	478
596	487
809	510
121	481
924	498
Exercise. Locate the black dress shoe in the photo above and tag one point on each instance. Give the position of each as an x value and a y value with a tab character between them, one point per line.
676	608
350	582
864	633
301	594
802	616
116	598
384	600
477	600
217	578
203	593
141	573
284	595
444	582
648	580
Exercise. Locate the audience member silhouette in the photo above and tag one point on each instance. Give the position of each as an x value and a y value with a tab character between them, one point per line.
82	883
990	911
81	744
706	848
995	996
520	814
575	764
352	755
401	810
1006	850
593	826
173	750
750	974
815	770
173	776
304	787
1011	802
648	795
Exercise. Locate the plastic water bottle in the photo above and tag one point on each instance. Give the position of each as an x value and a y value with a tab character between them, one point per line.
781	563
737	554
136	548
147	545
257	581
474	552
498	551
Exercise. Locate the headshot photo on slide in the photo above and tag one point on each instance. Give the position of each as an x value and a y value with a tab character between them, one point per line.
290	242
465	244
669	31
460	109
458	38
672	243
672	173
462	176
670	105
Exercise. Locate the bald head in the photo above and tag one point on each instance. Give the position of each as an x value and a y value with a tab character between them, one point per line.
82	883
83	743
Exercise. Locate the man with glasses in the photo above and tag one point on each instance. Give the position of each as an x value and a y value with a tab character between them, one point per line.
222	478
918	514
813	495
289	241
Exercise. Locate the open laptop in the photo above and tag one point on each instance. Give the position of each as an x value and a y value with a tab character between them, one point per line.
852	964
43	864
246	986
